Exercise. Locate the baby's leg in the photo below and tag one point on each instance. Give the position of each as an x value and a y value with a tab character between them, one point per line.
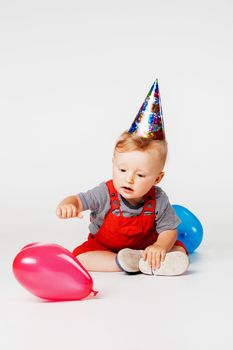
99	260
177	248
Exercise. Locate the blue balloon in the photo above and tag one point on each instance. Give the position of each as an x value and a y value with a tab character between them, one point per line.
190	230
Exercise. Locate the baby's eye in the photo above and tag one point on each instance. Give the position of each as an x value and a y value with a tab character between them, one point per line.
140	175
122	170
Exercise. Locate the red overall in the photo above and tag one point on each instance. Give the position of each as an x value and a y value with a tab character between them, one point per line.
118	232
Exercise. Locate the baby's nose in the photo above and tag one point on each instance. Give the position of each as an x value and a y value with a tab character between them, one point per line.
130	179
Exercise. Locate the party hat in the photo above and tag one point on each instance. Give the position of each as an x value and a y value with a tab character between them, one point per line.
149	120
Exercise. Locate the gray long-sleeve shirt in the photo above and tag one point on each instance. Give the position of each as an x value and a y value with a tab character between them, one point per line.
97	200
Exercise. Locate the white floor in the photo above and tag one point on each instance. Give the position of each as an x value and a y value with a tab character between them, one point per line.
73	74
193	311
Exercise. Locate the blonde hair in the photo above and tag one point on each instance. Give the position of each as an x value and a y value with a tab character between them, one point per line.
128	142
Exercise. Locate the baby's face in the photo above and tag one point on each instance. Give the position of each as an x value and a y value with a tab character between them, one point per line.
135	172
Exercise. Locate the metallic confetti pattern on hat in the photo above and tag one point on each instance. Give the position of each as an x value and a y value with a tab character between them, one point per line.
149	120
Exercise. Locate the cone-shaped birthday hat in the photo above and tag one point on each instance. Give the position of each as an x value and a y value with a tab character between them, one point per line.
149	120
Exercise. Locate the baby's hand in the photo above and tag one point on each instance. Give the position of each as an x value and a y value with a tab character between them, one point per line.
67	211
154	255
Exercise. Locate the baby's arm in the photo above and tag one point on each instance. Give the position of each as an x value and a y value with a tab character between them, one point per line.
166	239
166	218
70	207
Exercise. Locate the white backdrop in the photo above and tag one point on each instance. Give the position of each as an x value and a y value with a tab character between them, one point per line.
73	76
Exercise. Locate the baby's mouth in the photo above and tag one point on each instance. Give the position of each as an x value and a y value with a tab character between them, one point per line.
127	189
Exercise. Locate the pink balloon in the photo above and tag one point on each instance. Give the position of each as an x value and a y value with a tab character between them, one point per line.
51	272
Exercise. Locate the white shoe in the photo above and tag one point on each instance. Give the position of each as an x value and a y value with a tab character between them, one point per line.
128	260
175	263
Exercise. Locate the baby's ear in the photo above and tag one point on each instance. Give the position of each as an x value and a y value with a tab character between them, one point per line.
159	177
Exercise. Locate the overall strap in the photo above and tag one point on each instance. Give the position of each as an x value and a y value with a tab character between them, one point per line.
114	200
150	202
